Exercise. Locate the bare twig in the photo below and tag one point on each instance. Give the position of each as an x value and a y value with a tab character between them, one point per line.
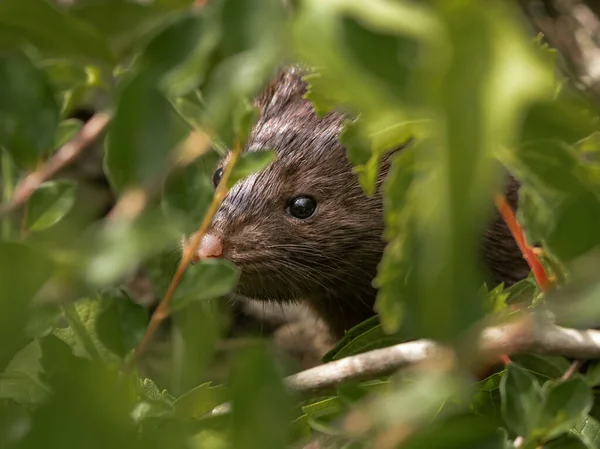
65	155
162	311
522	336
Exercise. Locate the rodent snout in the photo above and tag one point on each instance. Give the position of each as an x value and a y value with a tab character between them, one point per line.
210	246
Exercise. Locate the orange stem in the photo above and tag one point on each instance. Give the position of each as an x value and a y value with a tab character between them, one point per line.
529	254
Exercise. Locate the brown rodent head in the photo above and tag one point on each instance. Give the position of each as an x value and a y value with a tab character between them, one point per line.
302	229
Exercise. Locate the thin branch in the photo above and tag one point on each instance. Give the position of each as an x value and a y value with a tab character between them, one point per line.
529	255
64	156
523	336
162	311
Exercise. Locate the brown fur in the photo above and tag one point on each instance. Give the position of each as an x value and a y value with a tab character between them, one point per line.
330	259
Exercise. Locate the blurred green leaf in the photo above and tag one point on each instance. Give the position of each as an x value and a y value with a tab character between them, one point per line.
144	131
28	113
366	148
248	163
96	417
196	334
66	131
14	423
125	24
253	39
261	407
49	204
51	30
565	403
121	244
522	400
461	432
121	323
588	429
178	57
200	400
21	381
23	271
396	289
208	279
187	194
569	442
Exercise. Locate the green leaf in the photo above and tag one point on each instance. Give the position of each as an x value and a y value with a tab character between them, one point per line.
565	403
187	194
261	407
208	279
178	57
66	131
23	271
28	113
13	419
121	323
49	204
144	131
125	24
199	401
592	374
462	432
521	400
361	338
21	380
81	334
486	400
121	244
543	366
250	162
588	429
365	147
559	203
60	35
253	40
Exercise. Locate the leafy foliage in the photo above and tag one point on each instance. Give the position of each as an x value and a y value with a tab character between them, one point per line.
461	82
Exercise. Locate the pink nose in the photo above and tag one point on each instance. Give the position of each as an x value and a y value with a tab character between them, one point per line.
210	246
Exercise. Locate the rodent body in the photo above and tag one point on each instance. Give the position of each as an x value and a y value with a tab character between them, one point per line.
326	255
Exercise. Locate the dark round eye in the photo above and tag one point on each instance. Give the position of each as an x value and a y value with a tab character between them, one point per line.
217	176
302	207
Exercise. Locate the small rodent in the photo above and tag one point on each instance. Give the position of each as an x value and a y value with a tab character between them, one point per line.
303	229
